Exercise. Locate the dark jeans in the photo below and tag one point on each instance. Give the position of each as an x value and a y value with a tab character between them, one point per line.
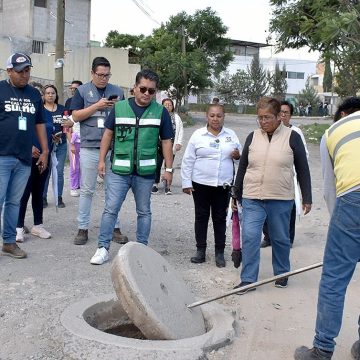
159	162
35	187
291	229
212	198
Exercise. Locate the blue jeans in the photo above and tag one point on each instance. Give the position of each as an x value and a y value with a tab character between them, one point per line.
117	189
342	253
60	150
277	213
13	179
89	158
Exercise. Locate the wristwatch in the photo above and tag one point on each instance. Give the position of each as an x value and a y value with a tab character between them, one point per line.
170	170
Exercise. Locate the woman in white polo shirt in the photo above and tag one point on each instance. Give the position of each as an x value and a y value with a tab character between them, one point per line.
208	164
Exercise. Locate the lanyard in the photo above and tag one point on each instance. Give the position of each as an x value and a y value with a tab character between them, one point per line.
20	101
101	96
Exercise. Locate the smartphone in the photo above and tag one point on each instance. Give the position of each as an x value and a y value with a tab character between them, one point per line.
113	97
59	133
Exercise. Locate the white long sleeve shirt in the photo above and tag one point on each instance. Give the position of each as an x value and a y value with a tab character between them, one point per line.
207	159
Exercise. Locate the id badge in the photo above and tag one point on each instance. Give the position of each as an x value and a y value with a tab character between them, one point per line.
100	123
22	123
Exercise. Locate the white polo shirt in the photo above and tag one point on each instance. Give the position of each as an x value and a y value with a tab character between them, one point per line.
207	159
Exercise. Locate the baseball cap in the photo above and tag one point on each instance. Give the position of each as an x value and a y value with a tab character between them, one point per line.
18	62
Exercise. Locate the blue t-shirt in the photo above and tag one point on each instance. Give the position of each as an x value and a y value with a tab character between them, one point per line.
56	118
20	110
166	130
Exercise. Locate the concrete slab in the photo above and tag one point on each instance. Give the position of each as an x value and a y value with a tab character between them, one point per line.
153	296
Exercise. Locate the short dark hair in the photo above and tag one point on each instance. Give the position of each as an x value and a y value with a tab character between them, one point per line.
168	99
270	102
289	104
348	106
79	82
100	61
147	74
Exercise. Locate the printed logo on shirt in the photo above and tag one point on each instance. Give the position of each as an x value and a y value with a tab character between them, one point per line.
228	139
91	94
24	106
57	119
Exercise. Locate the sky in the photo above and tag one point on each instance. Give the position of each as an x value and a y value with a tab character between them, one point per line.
246	20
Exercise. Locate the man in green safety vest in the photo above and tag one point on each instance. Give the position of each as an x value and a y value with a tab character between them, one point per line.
133	127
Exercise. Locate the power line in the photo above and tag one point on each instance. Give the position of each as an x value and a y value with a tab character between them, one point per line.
142	8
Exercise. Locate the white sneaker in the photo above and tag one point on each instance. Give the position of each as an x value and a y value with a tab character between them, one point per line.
20	235
101	255
74	193
38	230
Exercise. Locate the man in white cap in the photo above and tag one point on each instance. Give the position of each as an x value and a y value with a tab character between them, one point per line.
20	120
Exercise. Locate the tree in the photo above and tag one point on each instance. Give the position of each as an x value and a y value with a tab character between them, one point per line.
327	81
207	52
234	89
278	82
308	95
259	80
329	26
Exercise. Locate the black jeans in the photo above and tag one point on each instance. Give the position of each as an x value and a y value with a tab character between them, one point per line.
291	227
35	187
212	198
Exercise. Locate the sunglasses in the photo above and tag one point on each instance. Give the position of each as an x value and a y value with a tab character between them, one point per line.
144	89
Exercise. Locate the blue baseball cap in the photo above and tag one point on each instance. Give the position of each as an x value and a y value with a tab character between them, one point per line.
18	62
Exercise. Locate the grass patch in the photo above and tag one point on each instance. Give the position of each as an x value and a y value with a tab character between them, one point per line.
314	132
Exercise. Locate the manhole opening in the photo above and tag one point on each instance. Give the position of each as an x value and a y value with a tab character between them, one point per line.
111	318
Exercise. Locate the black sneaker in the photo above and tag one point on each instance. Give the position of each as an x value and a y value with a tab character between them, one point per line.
154	190
281	283
242	284
168	191
60	202
45	203
265	243
199	257
81	238
304	353
355	350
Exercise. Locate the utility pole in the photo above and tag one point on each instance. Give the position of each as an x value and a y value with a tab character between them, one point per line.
59	49
183	50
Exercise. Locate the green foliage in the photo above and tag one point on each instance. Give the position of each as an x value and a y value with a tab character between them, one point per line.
327	81
329	26
207	51
314	132
278	82
309	95
259	81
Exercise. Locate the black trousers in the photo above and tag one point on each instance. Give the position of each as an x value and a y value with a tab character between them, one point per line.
35	187
214	199
291	227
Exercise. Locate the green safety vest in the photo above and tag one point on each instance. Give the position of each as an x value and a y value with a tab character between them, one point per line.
136	139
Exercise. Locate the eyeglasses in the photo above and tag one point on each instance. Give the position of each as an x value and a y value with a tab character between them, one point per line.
144	89
103	76
266	118
285	112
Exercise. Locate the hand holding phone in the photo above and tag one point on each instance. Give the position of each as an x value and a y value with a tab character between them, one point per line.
112	97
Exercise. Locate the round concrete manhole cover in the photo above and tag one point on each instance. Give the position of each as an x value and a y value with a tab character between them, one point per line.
153	296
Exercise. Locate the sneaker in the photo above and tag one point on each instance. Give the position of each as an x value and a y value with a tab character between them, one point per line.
304	353
199	257
45	203
118	237
14	251
20	235
168	191
101	255
26	229
242	284
265	243
74	193
154	190
281	283
219	259
38	230
82	237
355	350
60	202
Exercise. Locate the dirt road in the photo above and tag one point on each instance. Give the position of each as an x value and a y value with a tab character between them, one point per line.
272	322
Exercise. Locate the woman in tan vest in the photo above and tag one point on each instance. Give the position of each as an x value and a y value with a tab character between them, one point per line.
265	188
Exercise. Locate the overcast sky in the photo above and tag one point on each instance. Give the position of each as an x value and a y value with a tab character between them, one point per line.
246	19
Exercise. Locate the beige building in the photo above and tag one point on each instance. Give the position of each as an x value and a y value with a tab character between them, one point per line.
30	26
